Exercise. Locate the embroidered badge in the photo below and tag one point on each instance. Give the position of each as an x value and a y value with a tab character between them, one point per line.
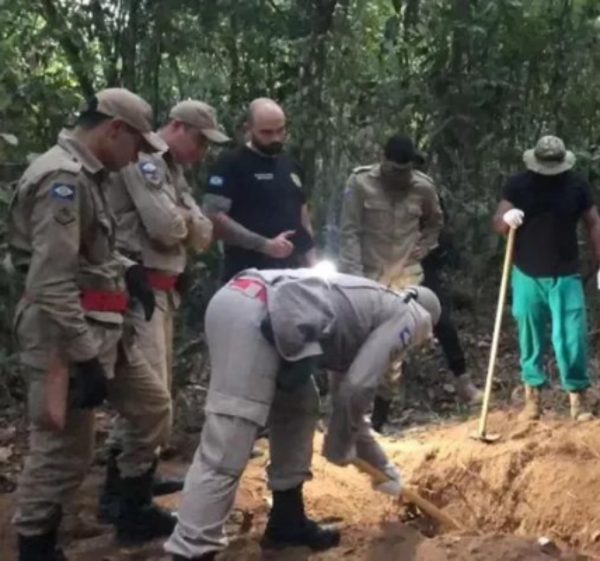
63	192
150	172
216	181
405	337
296	179
64	215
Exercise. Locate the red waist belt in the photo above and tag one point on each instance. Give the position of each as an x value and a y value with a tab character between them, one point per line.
104	301
250	286
160	281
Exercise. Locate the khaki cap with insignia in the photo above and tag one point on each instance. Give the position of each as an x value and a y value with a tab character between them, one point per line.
130	108
201	116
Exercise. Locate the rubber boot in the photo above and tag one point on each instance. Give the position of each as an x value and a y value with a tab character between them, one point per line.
139	518
533	404
580	410
162	485
467	391
288	524
381	411
40	548
108	503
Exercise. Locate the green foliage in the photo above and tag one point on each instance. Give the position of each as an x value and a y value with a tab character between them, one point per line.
474	81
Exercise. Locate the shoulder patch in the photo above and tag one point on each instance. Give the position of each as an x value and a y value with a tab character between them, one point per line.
63	192
405	336
64	215
150	172
216	181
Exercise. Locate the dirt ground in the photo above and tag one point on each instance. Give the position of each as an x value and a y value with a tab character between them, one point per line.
541	480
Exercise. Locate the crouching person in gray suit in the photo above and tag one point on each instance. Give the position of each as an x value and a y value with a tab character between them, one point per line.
265	331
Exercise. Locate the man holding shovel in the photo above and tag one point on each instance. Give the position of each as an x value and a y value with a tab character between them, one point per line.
265	330
546	203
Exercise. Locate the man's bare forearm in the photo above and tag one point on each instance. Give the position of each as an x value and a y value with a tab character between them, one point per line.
232	232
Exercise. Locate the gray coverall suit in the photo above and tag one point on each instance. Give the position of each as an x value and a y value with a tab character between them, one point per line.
352	324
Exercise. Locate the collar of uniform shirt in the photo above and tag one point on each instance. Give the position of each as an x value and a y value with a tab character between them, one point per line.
67	140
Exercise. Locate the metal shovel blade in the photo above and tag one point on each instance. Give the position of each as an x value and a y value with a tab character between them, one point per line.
484	437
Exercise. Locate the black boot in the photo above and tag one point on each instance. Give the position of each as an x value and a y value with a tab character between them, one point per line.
381	411
140	519
288	524
108	504
40	548
165	485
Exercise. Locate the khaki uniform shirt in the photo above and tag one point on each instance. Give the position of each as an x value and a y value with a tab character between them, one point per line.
384	233
157	217
61	234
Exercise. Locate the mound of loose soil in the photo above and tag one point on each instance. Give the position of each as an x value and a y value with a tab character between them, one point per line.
540	480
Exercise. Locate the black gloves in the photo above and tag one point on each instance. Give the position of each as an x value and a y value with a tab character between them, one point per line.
183	283
138	288
267	330
87	386
291	375
294	375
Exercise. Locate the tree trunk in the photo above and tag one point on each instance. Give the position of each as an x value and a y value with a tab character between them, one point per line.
128	47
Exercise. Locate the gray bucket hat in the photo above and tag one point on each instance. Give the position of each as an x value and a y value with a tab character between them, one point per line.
549	157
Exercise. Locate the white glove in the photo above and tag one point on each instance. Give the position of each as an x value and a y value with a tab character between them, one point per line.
394	486
513	217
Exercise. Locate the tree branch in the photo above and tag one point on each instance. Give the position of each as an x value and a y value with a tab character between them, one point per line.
59	28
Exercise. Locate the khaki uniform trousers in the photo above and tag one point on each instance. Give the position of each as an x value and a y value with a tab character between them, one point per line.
242	398
154	340
410	276
58	461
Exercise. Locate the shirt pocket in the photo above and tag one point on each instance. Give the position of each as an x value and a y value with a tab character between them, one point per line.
377	217
100	244
409	217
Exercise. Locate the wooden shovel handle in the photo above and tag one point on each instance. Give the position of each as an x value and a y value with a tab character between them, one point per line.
481	430
409	495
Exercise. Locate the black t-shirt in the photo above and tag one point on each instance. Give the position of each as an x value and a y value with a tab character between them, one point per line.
546	243
266	195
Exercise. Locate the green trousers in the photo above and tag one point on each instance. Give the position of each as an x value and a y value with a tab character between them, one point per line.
559	301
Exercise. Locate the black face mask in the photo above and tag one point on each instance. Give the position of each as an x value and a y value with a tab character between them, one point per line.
271	149
395	178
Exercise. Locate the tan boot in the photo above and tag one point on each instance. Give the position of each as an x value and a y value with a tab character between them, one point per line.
468	392
533	404
580	410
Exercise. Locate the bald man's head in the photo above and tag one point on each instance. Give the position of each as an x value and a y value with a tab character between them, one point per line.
266	126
